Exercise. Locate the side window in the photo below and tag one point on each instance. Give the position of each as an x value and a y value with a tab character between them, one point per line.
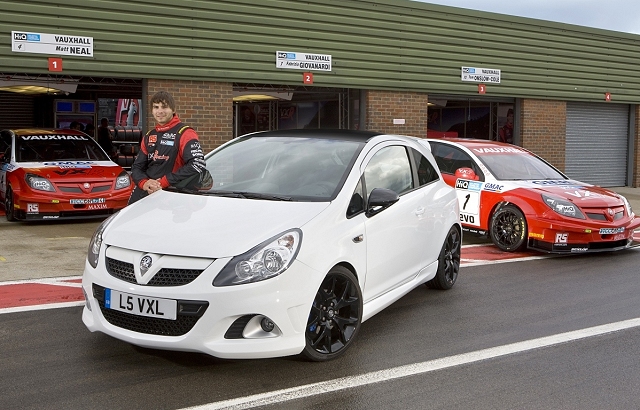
450	158
426	171
389	168
356	205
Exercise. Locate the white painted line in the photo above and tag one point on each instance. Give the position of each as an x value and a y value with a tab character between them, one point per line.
44	281
308	390
40	307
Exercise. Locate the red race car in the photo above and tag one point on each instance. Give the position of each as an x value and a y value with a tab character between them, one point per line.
58	174
521	201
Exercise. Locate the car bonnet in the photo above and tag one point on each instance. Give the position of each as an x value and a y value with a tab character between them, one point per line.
580	193
204	226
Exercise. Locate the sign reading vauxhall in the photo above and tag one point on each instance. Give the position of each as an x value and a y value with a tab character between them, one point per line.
303	61
56	44
481	75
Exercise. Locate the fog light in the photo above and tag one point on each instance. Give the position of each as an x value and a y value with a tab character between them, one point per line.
86	300
267	325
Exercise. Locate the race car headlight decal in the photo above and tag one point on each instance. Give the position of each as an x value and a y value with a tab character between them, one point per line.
96	242
123	180
267	260
563	207
39	183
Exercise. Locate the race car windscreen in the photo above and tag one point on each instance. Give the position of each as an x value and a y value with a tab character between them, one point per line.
515	167
42	148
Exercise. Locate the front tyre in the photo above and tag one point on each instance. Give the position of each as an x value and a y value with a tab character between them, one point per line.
448	262
509	229
335	317
9	210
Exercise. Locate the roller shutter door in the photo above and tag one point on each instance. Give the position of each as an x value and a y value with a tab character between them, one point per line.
597	143
16	110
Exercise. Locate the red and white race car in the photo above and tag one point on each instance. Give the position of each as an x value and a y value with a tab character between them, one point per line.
58	174
521	201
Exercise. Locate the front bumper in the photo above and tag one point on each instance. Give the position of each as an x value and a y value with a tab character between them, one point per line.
219	321
567	237
41	207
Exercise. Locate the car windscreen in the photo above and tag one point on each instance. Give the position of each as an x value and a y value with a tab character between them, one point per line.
519	166
59	147
287	168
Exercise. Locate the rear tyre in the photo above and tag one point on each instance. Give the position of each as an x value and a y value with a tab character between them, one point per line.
9	211
335	317
509	229
448	262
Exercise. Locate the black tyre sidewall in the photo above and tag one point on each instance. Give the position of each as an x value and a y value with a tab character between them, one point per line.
523	240
309	352
440	281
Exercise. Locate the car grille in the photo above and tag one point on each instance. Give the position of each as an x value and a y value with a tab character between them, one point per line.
602	214
164	277
76	189
189	312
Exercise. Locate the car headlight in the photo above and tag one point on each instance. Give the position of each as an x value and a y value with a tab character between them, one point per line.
267	260
563	207
39	183
96	242
123	180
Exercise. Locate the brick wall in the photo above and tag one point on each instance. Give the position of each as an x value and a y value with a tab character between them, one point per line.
205	106
543	125
385	106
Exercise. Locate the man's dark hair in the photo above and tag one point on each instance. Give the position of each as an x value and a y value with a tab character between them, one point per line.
163	97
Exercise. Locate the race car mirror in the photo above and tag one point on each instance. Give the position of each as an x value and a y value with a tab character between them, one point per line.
466	173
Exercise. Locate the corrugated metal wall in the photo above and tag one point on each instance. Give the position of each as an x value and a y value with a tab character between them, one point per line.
16	110
597	143
375	44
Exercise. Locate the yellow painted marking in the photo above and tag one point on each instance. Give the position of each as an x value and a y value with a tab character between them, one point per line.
2	259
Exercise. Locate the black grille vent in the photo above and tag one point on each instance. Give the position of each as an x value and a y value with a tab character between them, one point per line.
150	325
164	277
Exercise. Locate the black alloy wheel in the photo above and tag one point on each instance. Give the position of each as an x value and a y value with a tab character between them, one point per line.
8	205
448	262
335	317
509	229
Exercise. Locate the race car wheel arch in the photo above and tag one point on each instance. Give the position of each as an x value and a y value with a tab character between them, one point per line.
508	228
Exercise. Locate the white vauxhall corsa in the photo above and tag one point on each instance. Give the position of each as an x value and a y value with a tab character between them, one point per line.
294	239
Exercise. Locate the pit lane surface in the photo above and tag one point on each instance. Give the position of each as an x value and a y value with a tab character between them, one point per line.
50	361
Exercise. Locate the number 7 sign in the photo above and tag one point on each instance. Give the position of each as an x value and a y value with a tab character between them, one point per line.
55	64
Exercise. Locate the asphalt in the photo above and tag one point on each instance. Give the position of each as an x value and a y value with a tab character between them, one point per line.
53	249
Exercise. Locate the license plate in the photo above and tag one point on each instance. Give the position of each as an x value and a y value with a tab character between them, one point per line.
140	305
86	201
611	231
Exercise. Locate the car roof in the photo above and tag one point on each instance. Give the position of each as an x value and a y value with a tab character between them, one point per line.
337	134
44	131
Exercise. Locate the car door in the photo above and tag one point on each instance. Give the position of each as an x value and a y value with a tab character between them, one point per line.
395	238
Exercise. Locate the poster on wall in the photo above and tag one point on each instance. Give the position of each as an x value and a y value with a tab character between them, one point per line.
128	112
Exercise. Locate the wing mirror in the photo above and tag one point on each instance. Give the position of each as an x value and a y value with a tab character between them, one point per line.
379	200
467	173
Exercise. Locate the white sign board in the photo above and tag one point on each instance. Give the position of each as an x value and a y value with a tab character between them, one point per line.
481	75
52	44
303	61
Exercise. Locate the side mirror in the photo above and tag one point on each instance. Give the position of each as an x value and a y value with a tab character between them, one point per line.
466	173
380	199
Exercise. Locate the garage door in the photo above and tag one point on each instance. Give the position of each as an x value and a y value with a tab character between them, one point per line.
597	143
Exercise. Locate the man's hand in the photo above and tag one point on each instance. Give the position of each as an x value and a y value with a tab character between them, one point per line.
151	186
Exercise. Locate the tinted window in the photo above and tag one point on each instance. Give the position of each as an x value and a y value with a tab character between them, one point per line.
426	171
450	158
40	148
356	205
389	168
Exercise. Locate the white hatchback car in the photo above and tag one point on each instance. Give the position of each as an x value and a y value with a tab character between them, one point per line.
301	237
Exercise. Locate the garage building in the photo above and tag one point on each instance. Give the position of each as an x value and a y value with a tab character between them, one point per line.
389	65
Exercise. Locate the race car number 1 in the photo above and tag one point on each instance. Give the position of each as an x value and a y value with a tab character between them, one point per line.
469	200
